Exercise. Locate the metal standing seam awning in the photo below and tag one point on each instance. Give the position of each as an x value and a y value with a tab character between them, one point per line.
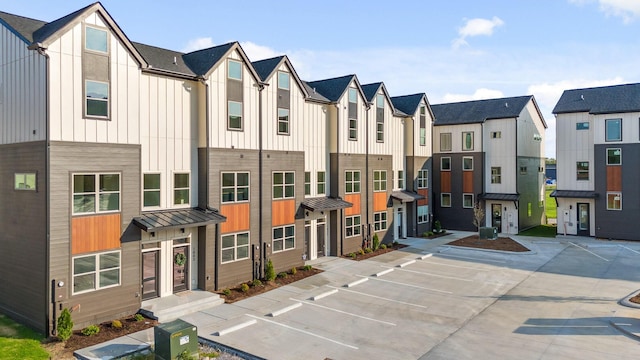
179	218
405	196
325	204
579	194
501	197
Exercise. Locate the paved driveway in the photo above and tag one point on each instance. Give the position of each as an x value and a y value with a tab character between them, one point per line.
430	301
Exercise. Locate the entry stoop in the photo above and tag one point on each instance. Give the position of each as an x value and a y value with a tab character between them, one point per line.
171	307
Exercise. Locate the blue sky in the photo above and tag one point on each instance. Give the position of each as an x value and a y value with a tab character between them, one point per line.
452	50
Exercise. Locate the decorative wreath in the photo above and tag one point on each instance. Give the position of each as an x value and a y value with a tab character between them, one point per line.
180	259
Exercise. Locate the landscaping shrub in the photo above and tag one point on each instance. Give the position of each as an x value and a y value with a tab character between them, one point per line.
90	330
437	227
294	271
226	292
244	287
138	317
307	268
429	233
376	242
383	246
367	250
116	324
65	325
256	282
282	274
269	271
361	252
352	255
395	243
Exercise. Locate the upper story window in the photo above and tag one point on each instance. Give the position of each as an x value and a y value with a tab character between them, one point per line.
352	181
496	134
582	126
445	164
235	115
523	170
379	180
25	181
379	118
321	182
445	142
423	125
467	163
96	193
423	179
467	141
234	70
353	129
307	183
582	170
613	130
283	80
380	101
614	156
496	175
97	98
235	187
283	121
151	190
181	189
95	40
400	179
353	95
284	185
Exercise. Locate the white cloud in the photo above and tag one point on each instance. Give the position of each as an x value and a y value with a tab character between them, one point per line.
258	52
628	10
198	44
476	27
479	94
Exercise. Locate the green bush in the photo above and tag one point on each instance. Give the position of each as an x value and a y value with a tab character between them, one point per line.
383	246
138	317
352	255
282	274
65	325
244	287
90	330
376	242
307	268
185	355
256	282
226	292
293	271
395	243
429	233
361	251
437	227
425	234
269	271
367	250
116	324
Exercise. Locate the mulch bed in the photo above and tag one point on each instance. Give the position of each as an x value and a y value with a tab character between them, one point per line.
635	299
363	256
501	243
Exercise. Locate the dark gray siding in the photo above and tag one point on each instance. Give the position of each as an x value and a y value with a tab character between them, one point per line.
614	224
380	162
414	164
529	186
66	159
23	239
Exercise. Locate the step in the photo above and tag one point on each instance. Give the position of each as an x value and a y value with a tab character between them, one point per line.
174	306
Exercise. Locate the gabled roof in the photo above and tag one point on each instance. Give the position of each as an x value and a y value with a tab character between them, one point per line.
470	112
314	95
202	62
600	100
21	26
163	59
267	67
333	89
409	104
41	35
371	90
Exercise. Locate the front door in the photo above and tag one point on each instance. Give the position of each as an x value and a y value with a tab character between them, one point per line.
400	224
583	219
180	268
496	216
320	237
150	268
307	238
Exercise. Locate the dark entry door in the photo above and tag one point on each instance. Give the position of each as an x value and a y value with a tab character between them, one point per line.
320	238
307	237
496	216
150	268
583	219
180	268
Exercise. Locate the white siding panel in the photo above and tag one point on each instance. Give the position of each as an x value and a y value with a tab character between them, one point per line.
501	152
316	145
575	145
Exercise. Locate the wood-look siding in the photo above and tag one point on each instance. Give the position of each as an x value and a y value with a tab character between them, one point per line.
238	218
380	201
445	181
467	182
425	193
95	233
614	178
355	200
283	212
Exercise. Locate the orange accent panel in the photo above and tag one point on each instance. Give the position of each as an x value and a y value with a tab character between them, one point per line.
445	181
614	178
283	212
467	181
380	201
237	217
425	193
355	200
95	233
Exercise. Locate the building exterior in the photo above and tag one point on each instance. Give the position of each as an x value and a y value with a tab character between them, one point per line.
597	150
491	153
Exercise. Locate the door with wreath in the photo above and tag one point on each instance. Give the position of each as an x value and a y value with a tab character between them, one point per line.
180	268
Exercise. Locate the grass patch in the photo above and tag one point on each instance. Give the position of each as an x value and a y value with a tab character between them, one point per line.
540	231
550	203
19	342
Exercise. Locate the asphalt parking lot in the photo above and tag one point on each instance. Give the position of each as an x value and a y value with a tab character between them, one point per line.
431	301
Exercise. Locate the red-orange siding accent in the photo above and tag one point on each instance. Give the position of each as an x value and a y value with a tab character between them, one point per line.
614	178
380	201
95	233
237	217
467	181
445	181
355	200
283	212
425	193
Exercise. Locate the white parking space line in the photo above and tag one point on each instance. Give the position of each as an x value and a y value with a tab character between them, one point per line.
590	252
383	298
473	258
343	312
435	275
413	286
456	266
303	331
624	247
234	328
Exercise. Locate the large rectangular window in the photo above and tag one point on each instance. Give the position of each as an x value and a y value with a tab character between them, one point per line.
496	175
423	179
380	221
95	193
284	185
445	200
235	247
97	98
96	40
351	181
235	70
379	180
96	271
235	187
283	121
445	142
614	156
467	141
24	181
151	190
321	182
352	225
423	214
445	164
614	201
235	115
181	189
613	129
284	238
283	80
467	163
582	170
467	201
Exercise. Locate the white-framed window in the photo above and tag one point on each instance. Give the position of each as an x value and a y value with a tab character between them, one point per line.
445	163
496	134
96	271
582	170
423	214
352	181
234	109
284	238
151	190
400	179
283	121
467	141
353	129
467	163
235	187
283	80
379	119
380	221
307	182
423	179
321	182
379	180
445	200
614	156
96	39
234	69
614	201
423	129
24	181
352	225
353	95
284	184
496	175
96	193
181	188
97	98
445	142
234	247
582	125
613	129
467	201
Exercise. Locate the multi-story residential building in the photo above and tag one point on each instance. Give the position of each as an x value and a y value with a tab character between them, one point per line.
489	152
597	148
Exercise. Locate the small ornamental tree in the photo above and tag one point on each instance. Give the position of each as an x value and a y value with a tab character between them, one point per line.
269	271
478	215
376	242
65	325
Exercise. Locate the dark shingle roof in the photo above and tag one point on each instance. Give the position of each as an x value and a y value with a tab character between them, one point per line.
600	100
21	26
332	89
470	112
370	90
163	59
265	67
408	104
314	95
201	61
50	28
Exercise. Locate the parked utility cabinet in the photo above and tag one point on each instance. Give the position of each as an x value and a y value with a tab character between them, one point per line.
174	338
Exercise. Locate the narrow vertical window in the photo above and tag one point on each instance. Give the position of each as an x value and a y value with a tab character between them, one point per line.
235	70
307	183
235	115
283	80
467	141
321	182
151	190
283	121
496	175
613	129
423	125
445	142
380	118
181	189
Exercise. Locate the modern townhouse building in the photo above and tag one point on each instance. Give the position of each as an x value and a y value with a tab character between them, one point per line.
489	152
597	149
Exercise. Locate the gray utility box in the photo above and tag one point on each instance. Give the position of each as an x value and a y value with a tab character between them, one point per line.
174	338
490	233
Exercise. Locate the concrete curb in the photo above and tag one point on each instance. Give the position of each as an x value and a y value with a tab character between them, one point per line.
624	331
530	252
627	303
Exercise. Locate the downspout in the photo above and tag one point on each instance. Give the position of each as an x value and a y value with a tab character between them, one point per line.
341	229
216	263
366	171
517	170
262	249
483	190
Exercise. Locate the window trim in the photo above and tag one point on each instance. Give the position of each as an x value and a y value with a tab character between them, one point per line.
442	164
159	190
356	229
25	176
235	187
606	129
235	247
284	238
463	163
466	195
442	196
380	221
96	272
287	121
96	192
464	148
353	182
619	193
607	157
583	171
174	188
284	185
380	183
